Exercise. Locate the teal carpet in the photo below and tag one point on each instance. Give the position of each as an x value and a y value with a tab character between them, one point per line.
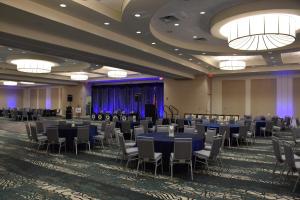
26	173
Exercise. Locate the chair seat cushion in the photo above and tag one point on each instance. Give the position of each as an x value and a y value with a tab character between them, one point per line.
207	147
235	135
132	151
61	140
249	134
202	153
157	156
262	128
42	138
99	137
130	144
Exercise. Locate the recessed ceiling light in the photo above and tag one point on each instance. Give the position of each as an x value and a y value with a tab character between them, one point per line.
137	15
10	49
23	51
176	49
176	24
62	5
106	23
195	36
154	43
203	53
270	52
138	32
190	59
180	54
27	83
202	13
97	65
271	57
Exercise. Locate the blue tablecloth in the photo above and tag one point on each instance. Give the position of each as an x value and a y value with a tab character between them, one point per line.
165	144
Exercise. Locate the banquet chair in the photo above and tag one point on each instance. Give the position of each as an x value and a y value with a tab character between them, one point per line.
40	128
268	128
82	137
99	138
182	153
128	153
209	155
39	139
145	125
251	133
27	125
225	131
296	135
162	128
138	131
25	115
53	138
200	128
209	137
147	153
292	165
242	135
190	129
126	128
180	125
159	122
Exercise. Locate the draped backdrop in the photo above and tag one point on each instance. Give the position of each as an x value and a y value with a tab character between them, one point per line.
110	98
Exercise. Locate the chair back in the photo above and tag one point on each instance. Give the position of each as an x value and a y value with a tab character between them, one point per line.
224	130
52	134
33	132
159	122
215	148
122	143
289	155
180	123
223	138
183	149
39	127
103	125
269	126
83	133
200	130
296	133
210	134
145	125
99	127
138	131
276	149
162	129
146	148
62	123
108	132
242	132
125	126
189	129
28	130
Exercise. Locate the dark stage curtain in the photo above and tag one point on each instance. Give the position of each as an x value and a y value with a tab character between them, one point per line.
110	98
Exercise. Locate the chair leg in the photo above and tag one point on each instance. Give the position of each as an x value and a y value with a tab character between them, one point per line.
65	147
59	148
171	164
89	146
76	148
237	141
191	166
127	163
137	169
155	168
47	147
162	168
295	186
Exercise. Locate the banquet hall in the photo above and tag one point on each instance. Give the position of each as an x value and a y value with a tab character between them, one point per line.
140	99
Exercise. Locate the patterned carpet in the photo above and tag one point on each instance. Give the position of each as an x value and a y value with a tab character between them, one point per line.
26	173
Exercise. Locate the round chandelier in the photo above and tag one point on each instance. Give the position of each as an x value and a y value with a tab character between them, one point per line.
33	65
232	65
10	83
79	77
117	74
261	32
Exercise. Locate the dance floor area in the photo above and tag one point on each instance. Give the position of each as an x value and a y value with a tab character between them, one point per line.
26	173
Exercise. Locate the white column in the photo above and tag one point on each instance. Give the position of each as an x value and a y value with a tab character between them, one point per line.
248	97
216	96
37	98
284	98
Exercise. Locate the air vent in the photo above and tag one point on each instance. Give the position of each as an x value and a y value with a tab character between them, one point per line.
169	19
200	39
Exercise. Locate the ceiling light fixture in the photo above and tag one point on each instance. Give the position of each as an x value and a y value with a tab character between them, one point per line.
176	24
202	13
176	49
154	43
62	5
138	32
137	15
117	74
79	76
261	32
10	83
195	37
232	65
106	23
27	83
33	65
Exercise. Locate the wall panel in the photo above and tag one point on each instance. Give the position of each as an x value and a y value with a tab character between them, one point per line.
233	97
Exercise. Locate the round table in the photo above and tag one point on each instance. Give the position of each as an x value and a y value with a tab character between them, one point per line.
165	144
69	132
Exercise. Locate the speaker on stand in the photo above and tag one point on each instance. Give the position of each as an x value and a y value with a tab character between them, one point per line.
69	113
